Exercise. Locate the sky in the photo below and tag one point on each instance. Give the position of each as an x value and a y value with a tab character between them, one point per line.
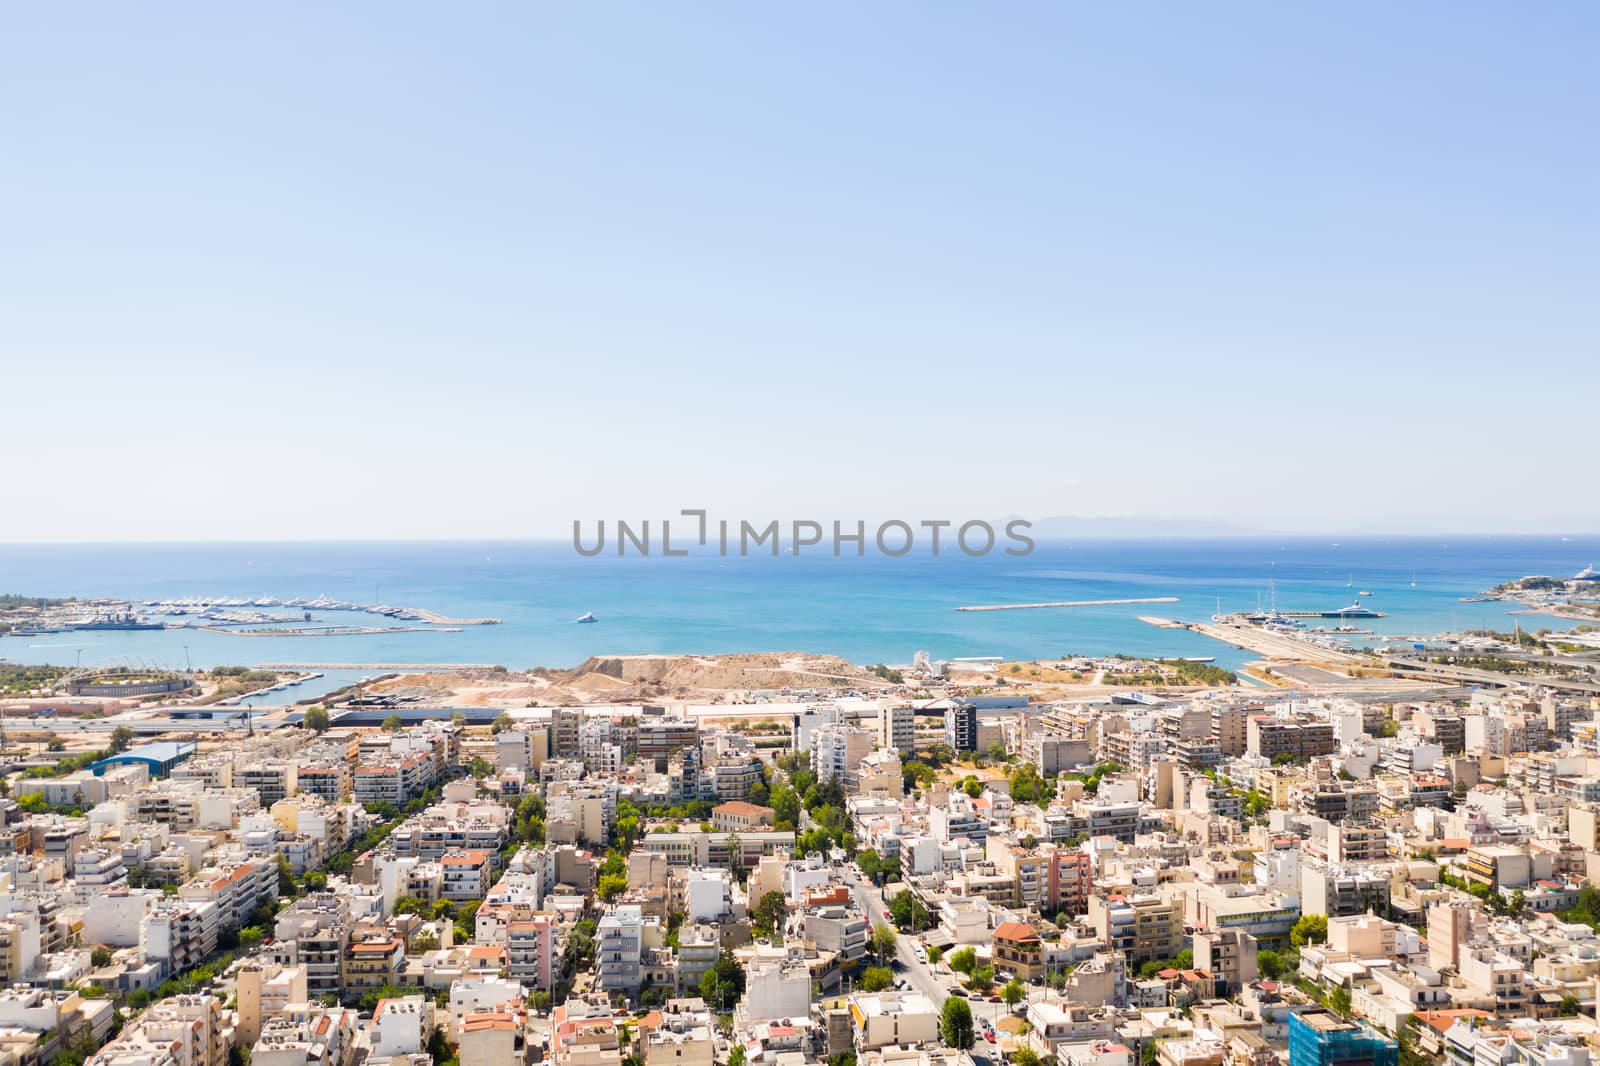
403	271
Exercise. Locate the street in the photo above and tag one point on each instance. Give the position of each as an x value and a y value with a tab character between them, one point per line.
921	976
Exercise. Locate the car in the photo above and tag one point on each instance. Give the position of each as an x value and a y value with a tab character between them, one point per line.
988	1034
994	999
975	995
886	914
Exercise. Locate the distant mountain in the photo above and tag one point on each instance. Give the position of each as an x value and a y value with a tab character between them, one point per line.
1062	527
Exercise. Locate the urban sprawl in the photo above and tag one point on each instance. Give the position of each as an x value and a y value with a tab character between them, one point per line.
1184	876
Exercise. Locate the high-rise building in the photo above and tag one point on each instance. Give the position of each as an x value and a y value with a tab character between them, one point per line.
837	752
897	728
619	940
961	726
564	725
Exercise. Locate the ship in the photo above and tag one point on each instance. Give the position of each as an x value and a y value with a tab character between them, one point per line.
1588	573
119	621
587	616
1355	610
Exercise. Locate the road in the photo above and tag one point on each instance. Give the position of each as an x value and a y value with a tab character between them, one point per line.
921	976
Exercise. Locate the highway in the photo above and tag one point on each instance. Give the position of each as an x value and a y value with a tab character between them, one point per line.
1489	677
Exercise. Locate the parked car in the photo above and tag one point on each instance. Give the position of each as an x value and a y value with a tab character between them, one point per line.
988	1034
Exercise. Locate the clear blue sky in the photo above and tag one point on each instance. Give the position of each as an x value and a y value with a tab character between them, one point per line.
415	271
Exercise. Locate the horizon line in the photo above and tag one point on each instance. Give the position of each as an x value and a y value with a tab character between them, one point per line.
1043	539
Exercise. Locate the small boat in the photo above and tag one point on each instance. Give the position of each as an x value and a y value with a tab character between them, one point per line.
1363	592
588	616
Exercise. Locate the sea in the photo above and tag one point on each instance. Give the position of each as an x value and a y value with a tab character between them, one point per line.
870	609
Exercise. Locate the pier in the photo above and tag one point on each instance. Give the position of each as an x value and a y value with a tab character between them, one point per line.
409	668
326	631
1272	645
1069	603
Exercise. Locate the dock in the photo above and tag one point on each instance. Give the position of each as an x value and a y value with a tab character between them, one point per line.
1161	623
409	668
326	631
1068	603
1276	646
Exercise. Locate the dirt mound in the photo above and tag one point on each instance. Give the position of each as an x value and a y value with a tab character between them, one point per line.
769	670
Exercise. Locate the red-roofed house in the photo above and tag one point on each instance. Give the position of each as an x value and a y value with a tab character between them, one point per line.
737	814
1016	948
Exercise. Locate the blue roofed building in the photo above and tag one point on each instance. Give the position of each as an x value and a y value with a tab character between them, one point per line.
159	758
1322	1038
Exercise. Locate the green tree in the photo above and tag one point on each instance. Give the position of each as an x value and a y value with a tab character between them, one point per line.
611	886
983	978
501	724
1184	960
955	1023
100	957
770	912
785	805
1310	929
1025	1056
1270	963
876	978
121	737
411	905
964	960
736	1055
909	912
884	939
317	719
479	767
1013	993
1339	1001
391	724
723	984
972	786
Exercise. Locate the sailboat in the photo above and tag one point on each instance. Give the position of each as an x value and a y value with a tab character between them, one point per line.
588	616
1413	580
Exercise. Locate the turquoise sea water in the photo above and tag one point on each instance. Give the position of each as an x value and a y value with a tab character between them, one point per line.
866	609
